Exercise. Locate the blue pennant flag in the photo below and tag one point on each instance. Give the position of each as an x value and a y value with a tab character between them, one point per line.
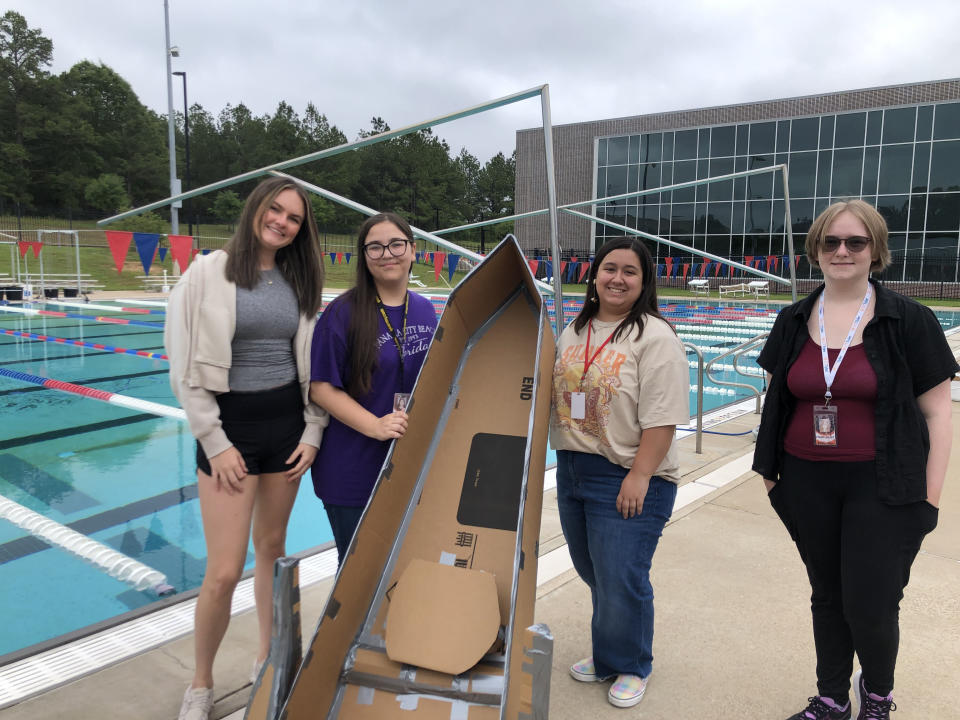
146	248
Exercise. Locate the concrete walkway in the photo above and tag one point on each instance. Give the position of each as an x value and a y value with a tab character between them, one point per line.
733	625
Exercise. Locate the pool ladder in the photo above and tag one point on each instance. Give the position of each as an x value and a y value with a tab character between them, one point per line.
702	370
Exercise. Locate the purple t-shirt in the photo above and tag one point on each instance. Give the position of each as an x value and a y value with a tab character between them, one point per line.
348	463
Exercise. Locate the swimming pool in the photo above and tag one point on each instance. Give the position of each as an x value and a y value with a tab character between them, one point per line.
126	478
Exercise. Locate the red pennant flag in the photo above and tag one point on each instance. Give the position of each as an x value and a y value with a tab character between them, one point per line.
563	266
703	268
771	262
194	252
686	266
584	267
748	260
339	258
669	263
119	242
716	271
796	260
534	264
438	258
24	246
180	247
573	258
36	246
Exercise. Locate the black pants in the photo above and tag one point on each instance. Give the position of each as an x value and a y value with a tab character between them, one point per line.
858	552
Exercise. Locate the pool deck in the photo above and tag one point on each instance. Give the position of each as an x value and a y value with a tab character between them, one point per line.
733	627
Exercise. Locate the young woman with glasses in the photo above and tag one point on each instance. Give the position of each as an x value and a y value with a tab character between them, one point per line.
853	446
368	347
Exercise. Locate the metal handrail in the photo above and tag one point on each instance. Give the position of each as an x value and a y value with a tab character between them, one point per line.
696	350
736	352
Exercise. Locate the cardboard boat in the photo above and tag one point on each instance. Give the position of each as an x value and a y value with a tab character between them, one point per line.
431	613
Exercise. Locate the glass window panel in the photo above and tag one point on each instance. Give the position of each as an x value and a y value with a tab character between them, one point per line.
700	215
602	152
942	245
718	246
779	217
739	212
874	126
665	219
898	125
894	209
851	129
743	132
802	172
801	215
601	181
824	164
847	172
740	163
918	211
721	191
686	145
819	205
703	149
946	121
682	222
826	131
666	173
616	180
758	216
933	268
897	244
924	122
871	166
913	248
633	178
719	215
921	166
760	187
631	216
945	166
668	146
633	153
783	136
684	171
943	212
762	137
740	188
652	148
617	151
649	176
896	162
722	141
803	134
778	184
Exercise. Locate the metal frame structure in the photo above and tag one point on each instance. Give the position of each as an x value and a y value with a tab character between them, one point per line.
541	91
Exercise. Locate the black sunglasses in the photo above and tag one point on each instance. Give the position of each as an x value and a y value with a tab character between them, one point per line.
854	244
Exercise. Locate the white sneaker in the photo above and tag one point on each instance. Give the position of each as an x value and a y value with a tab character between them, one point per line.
197	704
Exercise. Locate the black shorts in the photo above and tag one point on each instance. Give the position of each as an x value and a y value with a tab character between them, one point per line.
265	427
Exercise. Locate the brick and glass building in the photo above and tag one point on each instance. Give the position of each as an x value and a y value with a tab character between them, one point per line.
897	147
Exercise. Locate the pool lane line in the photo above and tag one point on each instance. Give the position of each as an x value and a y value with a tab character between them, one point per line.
115	564
125	401
81	343
88	381
94	306
78	316
74	430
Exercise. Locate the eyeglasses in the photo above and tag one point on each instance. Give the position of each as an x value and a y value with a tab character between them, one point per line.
853	244
374	250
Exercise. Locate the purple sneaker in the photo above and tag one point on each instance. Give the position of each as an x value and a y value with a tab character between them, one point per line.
822	708
872	707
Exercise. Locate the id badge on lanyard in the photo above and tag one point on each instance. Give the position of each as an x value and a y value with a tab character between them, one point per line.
826	417
578	400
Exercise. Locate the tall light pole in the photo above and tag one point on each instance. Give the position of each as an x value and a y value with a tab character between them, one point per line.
171	51
186	143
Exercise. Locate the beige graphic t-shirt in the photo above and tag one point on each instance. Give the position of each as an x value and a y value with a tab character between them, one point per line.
632	384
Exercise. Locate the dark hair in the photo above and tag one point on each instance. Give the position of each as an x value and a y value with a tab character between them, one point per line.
866	213
364	323
300	262
646	304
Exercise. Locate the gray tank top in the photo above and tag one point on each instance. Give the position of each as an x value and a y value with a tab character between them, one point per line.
267	320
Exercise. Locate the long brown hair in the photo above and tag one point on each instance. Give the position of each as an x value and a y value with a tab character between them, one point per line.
300	262
646	304
364	323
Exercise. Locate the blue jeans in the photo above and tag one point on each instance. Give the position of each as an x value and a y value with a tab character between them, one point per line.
613	556
343	521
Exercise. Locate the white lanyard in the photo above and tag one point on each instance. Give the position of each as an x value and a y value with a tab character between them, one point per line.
830	373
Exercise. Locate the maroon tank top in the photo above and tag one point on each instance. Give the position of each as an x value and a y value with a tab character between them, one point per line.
854	395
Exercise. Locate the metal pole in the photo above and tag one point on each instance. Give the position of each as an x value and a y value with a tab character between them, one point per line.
174	190
552	205
186	146
789	226
76	246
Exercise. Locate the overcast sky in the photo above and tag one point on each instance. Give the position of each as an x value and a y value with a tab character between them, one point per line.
415	60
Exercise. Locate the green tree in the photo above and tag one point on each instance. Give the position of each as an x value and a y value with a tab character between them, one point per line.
106	193
227	206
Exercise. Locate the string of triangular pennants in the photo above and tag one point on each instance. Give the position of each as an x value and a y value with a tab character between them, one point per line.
574	270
